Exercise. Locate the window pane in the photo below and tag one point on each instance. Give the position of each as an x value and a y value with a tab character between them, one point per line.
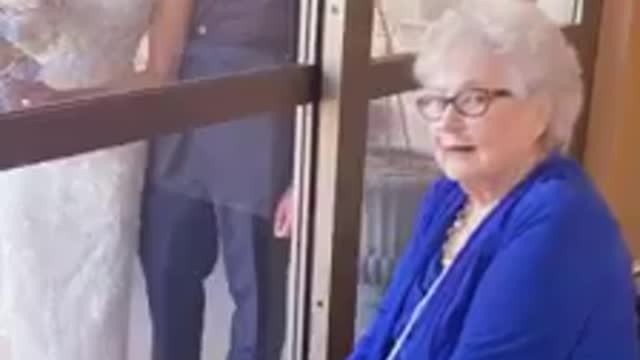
69	239
565	12
162	247
398	24
61	51
399	168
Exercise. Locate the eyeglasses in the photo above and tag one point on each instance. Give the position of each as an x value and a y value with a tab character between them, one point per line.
472	102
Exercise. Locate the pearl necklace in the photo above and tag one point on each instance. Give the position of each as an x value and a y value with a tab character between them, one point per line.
460	231
449	248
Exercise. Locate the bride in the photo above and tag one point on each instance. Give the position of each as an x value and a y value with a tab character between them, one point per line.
69	228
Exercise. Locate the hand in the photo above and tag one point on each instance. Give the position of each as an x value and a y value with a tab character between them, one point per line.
284	216
23	94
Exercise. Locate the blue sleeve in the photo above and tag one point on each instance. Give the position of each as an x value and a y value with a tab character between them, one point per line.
374	333
541	289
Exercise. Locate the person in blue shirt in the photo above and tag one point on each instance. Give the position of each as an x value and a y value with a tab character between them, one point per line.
515	254
211	192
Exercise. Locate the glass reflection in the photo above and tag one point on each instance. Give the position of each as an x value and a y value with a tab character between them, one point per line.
399	167
399	24
567	12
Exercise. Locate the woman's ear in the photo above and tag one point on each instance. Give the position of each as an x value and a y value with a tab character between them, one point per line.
541	112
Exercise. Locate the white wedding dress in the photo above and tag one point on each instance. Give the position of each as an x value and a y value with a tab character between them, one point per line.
69	228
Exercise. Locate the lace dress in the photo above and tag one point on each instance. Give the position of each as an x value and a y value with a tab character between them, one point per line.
69	228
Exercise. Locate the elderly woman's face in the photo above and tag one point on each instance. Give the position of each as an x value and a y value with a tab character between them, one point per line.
481	125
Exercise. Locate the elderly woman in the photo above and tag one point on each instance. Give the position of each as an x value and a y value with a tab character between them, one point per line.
515	255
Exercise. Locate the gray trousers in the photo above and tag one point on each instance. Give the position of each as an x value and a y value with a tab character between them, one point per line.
178	251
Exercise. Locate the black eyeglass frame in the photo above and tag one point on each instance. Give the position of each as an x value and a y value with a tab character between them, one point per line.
490	94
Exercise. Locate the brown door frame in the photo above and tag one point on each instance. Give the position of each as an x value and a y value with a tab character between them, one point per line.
65	129
613	136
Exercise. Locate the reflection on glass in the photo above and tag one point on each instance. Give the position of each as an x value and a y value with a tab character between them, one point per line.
565	12
399	24
196	206
399	168
68	46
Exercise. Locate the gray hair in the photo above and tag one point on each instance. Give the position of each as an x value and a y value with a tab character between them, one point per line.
538	50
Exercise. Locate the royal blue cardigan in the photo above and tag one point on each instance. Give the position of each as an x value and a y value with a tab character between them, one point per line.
547	276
